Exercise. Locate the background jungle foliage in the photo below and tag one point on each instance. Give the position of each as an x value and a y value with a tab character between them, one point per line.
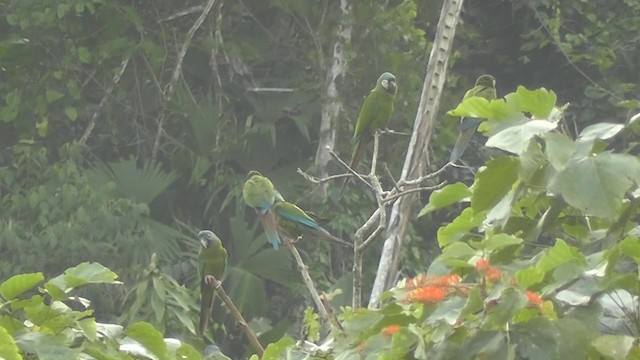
104	158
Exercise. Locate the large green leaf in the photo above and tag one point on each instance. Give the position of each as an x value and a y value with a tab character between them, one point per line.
515	139
615	347
446	196
45	346
459	227
493	182
596	184
537	339
8	348
559	149
18	284
83	274
538	102
152	340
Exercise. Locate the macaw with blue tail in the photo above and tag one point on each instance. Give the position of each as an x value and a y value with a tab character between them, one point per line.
293	222
485	88
259	193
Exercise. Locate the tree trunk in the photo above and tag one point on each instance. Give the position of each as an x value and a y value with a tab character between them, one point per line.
417	153
332	106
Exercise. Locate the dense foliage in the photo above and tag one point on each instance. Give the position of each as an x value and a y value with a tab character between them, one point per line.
106	157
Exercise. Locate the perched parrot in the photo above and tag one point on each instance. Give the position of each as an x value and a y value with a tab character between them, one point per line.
259	193
375	113
212	261
294	222
486	88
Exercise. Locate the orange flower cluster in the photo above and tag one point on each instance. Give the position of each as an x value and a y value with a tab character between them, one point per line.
534	299
491	274
390	330
430	290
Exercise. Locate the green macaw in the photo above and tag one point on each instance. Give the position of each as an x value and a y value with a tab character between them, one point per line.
212	260
375	113
259	193
294	222
485	88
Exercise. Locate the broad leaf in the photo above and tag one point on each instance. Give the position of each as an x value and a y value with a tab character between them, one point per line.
8	348
601	131
152	340
515	139
538	102
83	274
559	148
444	197
616	347
597	184
493	182
459	227
18	284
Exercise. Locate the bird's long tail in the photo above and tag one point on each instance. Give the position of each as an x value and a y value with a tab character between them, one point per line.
270	224
206	308
358	151
467	129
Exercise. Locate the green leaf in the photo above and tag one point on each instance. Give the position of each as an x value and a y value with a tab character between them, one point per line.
446	196
616	347
515	139
72	113
53	95
538	102
537	339
559	149
18	284
89	328
493	182
145	334
529	277
558	255
83	274
84	55
187	352
601	131
472	107
596	184
533	166
459	227
275	351
8	348
497	242
45	346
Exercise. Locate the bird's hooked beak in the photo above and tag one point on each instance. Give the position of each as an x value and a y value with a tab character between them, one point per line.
204	242
389	85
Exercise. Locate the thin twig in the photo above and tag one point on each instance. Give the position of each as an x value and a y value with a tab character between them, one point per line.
315	180
392	197
353	172
107	94
308	282
187	11
177	71
253	339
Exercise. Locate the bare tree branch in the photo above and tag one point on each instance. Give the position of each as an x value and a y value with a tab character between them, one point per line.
417	152
175	76
309	283
253	339
107	94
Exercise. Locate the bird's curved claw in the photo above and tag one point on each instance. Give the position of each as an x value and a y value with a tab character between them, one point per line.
212	281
